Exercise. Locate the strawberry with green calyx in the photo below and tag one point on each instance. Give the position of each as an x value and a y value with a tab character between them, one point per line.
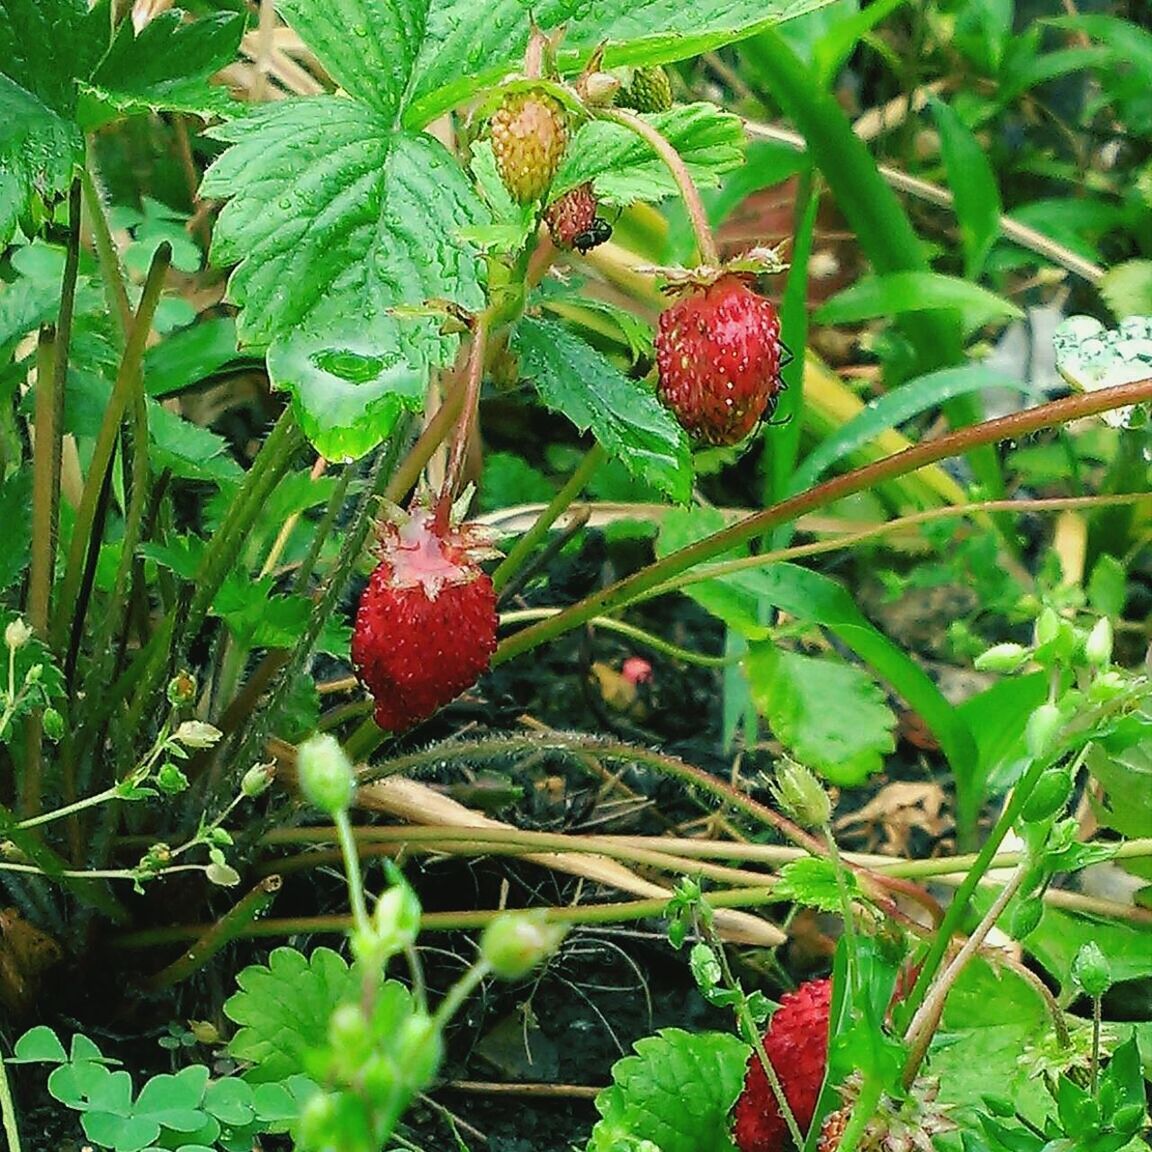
718	354
529	132
425	629
573	221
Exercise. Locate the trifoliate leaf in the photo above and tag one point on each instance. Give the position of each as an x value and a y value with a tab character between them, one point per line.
335	221
831	716
628	420
624	168
283	1009
676	1091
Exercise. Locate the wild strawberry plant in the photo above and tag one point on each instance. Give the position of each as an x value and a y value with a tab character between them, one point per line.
391	245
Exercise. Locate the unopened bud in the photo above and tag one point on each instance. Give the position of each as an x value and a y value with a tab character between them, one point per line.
515	942
326	775
1098	646
1091	970
801	795
1001	658
599	89
1047	626
394	927
1026	917
53	724
257	780
1042	729
17	633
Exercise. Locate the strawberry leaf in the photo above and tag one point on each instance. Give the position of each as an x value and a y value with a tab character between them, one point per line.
624	168
845	744
61	75
815	882
283	1009
336	220
367	46
165	67
676	1091
628	420
468	45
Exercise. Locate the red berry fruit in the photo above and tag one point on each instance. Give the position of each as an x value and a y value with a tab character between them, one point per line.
718	355
797	1045
573	222
529	134
426	626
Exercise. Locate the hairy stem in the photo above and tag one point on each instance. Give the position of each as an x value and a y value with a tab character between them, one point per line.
705	241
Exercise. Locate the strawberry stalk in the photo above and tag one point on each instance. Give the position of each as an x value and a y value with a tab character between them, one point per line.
705	241
474	375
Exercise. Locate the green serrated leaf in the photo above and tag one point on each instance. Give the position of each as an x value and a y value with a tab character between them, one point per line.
367	46
845	744
335	221
624	168
187	450
629	421
46	44
258	618
814	883
39	151
469	46
165	67
283	1009
508	481
676	1091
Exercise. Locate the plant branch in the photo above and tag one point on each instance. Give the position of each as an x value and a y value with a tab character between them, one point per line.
705	241
1016	425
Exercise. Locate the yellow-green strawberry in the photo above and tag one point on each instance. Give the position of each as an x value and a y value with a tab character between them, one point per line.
650	90
529	134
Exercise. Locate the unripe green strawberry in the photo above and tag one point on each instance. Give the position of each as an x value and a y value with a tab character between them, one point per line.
573	222
529	134
650	90
718	355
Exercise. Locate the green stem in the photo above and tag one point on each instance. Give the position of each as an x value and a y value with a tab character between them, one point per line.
8	1109
675	162
69	809
459	992
1017	425
70	606
862	1112
106	255
649	639
352	872
51	378
522	549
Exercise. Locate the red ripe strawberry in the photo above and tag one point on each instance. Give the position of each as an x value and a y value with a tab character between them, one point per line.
573	222
797	1045
718	355
529	134
426	626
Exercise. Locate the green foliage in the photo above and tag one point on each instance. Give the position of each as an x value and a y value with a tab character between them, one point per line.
63	75
624	169
844	742
283	1008
336	220
188	1109
676	1091
815	882
573	378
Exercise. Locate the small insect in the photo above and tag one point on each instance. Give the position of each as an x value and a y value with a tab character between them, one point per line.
590	238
